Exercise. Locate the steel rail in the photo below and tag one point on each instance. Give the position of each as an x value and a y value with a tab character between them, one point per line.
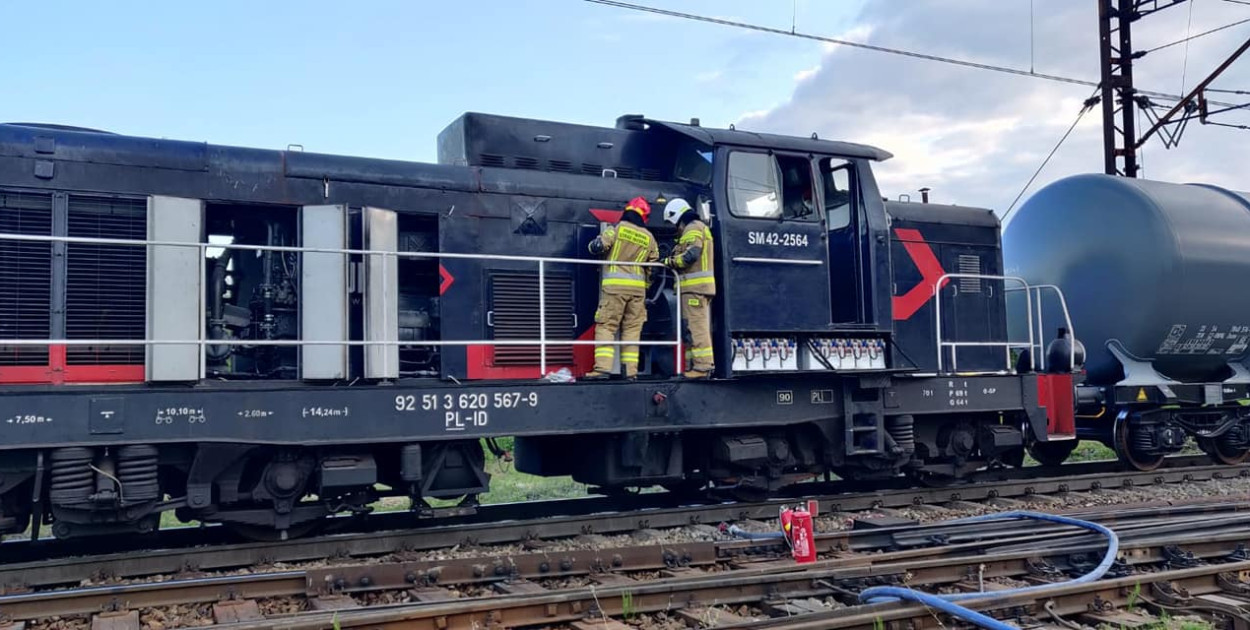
934	566
54	562
865	550
1094	597
745	585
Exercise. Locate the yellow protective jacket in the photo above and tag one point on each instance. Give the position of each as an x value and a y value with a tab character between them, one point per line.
626	243
692	257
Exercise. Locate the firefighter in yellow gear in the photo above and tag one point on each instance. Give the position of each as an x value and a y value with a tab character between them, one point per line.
692	259
623	289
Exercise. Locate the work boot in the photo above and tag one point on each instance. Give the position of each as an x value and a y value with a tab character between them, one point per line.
595	375
696	374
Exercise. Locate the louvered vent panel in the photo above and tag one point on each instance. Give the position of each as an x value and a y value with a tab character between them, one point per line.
105	283
514	301
592	169
969	263
25	277
527	163
560	166
625	172
490	159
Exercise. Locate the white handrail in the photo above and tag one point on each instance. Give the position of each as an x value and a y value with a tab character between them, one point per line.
1067	320
1036	333
955	345
91	240
203	342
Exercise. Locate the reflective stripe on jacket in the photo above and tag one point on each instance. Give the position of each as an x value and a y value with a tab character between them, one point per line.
699	276
628	243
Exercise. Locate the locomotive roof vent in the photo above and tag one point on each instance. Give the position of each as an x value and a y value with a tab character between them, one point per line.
631	122
627	150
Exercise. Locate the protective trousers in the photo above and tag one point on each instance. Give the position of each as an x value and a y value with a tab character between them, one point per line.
626	313
696	311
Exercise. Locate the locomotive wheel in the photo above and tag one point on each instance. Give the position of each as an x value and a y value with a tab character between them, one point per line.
748	494
1052	453
1013	458
260	533
1221	454
933	480
685	488
1122	433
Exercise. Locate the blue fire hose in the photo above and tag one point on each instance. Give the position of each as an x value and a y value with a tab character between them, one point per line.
738	532
946	603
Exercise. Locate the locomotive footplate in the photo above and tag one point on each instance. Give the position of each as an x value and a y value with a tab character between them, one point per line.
428	410
957	394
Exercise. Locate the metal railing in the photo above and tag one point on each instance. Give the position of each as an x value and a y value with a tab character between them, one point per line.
203	342
1036	333
1039	351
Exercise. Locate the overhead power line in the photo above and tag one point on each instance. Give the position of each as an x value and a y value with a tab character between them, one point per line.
1193	37
1088	105
882	49
842	42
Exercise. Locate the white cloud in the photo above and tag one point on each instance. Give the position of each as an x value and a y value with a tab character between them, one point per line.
976	137
805	74
747	119
708	76
859	33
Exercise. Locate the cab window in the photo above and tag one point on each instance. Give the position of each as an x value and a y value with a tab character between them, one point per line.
694	164
835	174
763	186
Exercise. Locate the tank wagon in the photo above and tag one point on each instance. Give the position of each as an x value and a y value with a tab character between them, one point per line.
264	338
1153	275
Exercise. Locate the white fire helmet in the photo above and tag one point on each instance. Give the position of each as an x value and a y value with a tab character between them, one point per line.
674	209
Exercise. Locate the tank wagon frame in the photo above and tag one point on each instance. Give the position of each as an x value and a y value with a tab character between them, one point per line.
264	338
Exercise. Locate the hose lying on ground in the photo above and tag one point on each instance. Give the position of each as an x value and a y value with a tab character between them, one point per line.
946	603
738	532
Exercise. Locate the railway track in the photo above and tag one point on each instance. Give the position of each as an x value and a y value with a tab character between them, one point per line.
52	562
693	581
387	568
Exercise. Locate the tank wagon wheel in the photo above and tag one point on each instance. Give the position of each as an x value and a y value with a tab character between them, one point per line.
1052	453
1221	454
1121	444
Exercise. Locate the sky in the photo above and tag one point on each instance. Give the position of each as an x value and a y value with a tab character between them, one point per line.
382	78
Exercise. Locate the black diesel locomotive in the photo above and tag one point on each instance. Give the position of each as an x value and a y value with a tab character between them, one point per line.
264	338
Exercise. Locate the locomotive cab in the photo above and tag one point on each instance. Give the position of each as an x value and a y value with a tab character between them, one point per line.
799	246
